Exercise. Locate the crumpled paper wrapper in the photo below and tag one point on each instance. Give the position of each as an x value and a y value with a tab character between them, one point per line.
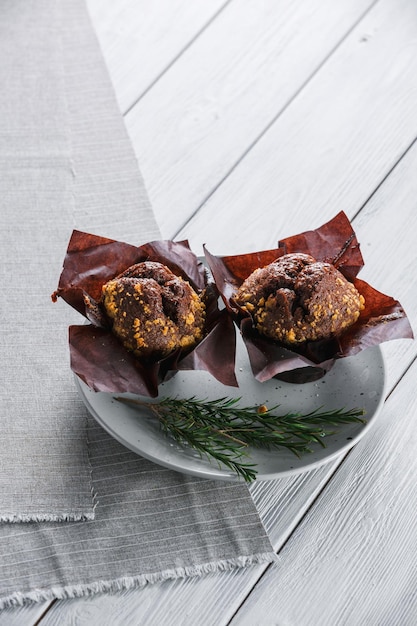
382	319
96	354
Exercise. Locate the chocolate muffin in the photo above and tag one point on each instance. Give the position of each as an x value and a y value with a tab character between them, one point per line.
297	299
153	312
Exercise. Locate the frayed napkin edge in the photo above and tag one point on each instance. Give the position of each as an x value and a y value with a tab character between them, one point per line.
17	518
68	516
126	583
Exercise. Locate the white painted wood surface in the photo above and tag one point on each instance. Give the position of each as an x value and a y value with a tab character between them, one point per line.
334	145
224	93
141	40
273	116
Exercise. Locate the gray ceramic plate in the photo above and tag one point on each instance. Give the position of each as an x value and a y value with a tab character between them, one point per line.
354	382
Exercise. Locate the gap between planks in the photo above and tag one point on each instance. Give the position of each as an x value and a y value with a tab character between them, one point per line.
385	177
269	125
178	56
336	468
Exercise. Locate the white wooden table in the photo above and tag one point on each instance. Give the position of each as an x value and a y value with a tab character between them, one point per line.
252	121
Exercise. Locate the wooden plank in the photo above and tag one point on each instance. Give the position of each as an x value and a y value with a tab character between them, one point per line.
195	124
141	39
331	148
352	561
388	227
28	615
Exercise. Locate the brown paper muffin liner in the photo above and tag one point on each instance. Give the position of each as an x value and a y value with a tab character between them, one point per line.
96	354
335	242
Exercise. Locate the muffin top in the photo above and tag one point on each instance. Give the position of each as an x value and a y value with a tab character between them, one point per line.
297	299
153	311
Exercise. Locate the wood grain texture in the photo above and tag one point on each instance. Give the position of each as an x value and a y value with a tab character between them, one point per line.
23	616
331	148
352	560
387	228
196	123
141	39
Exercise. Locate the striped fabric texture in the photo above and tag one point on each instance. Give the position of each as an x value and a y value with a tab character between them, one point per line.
80	513
44	465
151	524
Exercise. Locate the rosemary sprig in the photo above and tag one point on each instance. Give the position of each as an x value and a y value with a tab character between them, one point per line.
219	429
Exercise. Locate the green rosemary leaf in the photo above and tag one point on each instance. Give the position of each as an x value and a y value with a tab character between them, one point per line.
223	431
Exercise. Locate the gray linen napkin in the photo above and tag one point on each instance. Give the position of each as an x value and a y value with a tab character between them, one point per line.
151	524
45	473
75	168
